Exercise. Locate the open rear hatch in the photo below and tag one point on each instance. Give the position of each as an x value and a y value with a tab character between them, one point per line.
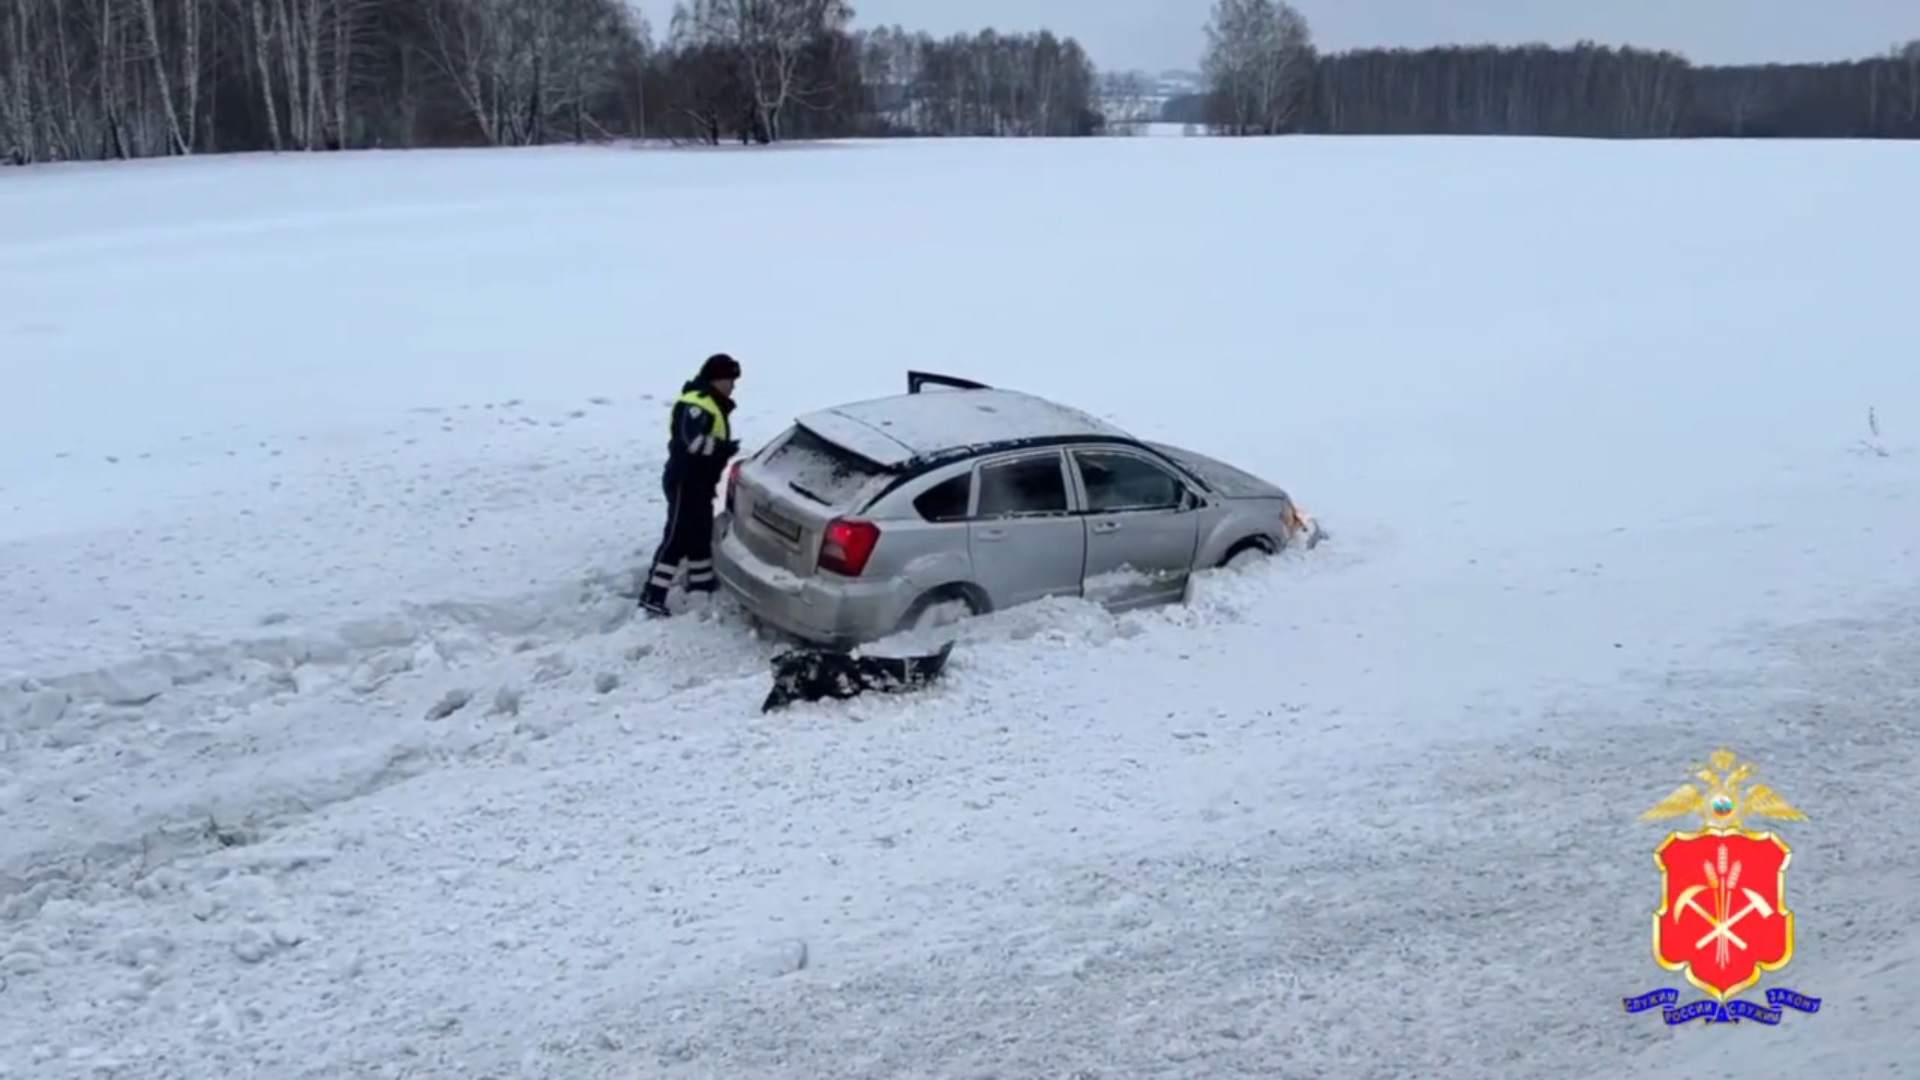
786	498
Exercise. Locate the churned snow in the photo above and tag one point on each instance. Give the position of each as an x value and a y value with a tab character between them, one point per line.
328	747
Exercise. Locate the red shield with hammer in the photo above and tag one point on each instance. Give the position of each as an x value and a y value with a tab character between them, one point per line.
1723	919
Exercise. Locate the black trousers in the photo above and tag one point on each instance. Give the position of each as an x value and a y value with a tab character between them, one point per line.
687	541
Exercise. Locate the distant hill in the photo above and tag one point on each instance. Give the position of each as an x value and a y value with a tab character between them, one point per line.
1129	100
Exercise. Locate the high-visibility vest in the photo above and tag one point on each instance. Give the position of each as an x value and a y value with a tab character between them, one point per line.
712	407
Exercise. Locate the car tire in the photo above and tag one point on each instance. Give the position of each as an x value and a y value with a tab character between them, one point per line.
940	607
1246	554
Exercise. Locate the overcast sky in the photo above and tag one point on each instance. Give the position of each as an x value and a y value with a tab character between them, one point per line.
1159	34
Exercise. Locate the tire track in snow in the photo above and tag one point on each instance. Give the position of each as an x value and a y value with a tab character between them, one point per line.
115	773
108	777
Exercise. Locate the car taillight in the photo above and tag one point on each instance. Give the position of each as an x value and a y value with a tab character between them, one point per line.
847	545
733	483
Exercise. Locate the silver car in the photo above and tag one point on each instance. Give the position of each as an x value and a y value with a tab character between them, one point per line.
868	519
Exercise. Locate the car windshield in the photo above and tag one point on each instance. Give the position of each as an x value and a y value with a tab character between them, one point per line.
820	470
1222	477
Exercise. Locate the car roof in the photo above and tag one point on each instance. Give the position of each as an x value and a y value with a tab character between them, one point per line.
908	429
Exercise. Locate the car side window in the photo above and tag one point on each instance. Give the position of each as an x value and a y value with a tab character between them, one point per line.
1116	482
1028	485
947	500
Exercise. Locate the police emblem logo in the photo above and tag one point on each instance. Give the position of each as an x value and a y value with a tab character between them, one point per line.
1723	921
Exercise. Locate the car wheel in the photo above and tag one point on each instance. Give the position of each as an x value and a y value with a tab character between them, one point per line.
1246	555
939	608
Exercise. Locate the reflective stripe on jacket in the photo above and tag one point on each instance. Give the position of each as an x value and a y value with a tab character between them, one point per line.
700	443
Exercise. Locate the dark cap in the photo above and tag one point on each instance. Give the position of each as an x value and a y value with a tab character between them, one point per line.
719	366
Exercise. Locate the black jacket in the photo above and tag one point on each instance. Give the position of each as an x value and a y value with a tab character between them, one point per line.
696	453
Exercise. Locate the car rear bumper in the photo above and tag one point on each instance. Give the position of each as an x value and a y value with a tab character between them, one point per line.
835	612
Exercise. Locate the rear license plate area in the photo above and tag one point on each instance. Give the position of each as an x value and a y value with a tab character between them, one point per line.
780	525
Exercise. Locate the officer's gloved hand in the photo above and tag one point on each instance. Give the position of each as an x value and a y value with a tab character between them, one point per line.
728	448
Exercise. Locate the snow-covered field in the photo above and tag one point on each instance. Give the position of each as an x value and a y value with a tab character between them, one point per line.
296	448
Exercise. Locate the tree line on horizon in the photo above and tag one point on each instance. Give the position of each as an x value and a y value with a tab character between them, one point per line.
107	79
1262	76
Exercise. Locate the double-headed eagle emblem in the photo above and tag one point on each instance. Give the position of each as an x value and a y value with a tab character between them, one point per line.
1728	800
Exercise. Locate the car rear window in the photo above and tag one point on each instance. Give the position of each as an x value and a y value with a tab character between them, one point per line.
820	470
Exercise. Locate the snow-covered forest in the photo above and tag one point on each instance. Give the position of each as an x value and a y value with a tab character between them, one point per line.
92	79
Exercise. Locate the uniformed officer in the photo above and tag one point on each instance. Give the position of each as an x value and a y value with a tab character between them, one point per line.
698	449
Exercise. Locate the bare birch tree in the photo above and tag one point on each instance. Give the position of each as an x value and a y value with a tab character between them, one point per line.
770	42
1259	66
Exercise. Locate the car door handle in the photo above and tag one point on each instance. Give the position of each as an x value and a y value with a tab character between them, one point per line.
991	534
1106	526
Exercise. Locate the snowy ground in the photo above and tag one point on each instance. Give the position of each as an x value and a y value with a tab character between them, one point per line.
297	448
